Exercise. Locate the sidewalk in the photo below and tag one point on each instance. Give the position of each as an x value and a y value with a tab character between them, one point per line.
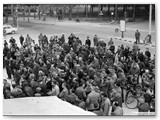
133	40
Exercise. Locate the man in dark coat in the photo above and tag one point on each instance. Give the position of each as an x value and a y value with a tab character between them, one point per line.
137	36
12	41
88	42
147	53
62	39
8	68
112	48
70	39
21	38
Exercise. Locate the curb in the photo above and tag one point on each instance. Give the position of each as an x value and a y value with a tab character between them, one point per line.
121	39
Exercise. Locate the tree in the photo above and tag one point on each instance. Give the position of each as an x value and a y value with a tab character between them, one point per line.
44	9
91	9
134	12
86	10
28	13
77	10
34	12
13	15
24	12
108	12
116	12
5	12
70	12
39	12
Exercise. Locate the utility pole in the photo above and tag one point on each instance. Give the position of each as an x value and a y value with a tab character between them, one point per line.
150	22
134	11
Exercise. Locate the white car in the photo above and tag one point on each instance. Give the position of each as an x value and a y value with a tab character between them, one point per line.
9	29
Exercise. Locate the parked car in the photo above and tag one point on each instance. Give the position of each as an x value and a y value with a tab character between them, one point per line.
9	29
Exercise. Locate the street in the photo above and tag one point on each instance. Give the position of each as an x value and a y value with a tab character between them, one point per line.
82	30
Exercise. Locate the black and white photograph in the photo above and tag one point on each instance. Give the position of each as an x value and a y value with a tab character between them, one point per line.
79	59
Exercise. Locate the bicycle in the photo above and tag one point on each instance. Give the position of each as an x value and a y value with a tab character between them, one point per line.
132	99
133	94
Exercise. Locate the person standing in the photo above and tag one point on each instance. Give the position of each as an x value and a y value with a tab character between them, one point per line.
93	100
62	39
55	89
21	38
148	54
95	40
116	110
106	104
88	42
137	36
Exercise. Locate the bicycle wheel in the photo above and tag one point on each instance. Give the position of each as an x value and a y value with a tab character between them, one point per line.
131	102
128	93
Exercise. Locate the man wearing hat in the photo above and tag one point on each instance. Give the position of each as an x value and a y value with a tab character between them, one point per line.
147	53
55	89
137	36
88	42
21	38
38	92
20	93
116	110
70	39
93	100
106	104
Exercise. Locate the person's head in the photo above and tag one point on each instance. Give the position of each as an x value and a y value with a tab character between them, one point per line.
25	83
32	76
41	73
116	104
14	85
137	30
87	37
19	91
92	88
96	88
89	82
4	81
38	89
64	85
117	84
147	71
104	95
72	91
54	83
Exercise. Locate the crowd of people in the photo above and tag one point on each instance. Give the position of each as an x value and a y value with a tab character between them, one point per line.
90	77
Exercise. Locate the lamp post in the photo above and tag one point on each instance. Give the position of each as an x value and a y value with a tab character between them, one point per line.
150	22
